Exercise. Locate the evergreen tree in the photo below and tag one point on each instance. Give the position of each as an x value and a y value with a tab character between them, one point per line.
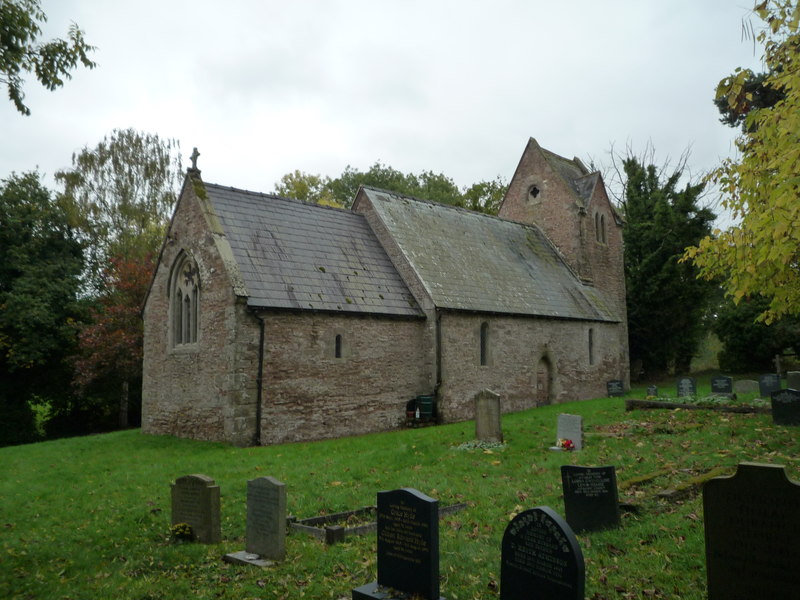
666	301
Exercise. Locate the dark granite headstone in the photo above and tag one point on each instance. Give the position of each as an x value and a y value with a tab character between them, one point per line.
752	527
591	501
195	501
687	386
487	417
615	387
408	547
786	408
721	385
652	390
541	558
767	384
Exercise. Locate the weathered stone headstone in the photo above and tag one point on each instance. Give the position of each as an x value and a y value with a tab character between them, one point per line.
687	386
266	523
745	386
721	385
195	501
408	547
615	387
652	390
786	408
793	380
767	384
540	558
487	417
752	525
570	427
591	501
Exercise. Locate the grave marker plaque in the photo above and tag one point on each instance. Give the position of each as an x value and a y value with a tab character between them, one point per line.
786	408
408	546
767	384
487	417
793	380
687	386
195	501
721	385
569	427
752	525
591	501
540	558
615	387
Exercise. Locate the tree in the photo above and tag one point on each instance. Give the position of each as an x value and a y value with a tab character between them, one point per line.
749	345
757	95
40	265
122	193
484	196
666	302
760	253
50	63
110	345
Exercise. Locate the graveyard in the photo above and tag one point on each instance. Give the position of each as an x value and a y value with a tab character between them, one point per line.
90	517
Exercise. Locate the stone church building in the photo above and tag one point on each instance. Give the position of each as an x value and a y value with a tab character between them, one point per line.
270	320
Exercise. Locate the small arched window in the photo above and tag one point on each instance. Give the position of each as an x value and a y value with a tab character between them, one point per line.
484	342
337	346
600	228
591	346
184	301
603	229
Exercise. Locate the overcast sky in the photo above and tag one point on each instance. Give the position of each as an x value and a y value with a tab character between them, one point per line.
266	87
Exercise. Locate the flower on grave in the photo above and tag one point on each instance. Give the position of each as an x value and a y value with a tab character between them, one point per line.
566	444
181	531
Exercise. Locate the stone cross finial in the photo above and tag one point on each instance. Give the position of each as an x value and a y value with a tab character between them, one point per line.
194	156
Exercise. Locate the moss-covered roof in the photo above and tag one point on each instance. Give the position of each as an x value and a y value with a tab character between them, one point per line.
475	262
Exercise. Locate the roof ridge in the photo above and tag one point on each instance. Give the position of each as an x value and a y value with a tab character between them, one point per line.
276	197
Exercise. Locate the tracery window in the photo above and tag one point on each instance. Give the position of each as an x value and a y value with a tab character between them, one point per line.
184	301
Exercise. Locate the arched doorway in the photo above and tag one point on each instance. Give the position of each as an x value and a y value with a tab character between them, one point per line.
544	382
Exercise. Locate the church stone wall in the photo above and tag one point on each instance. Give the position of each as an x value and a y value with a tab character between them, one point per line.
204	390
515	346
310	394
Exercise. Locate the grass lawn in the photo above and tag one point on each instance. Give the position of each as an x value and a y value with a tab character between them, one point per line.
89	517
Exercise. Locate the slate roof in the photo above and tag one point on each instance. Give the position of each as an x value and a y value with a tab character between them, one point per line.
297	255
475	262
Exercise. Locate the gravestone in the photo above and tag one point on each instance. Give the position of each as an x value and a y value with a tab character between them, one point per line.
752	524
615	387
652	390
540	558
591	501
767	384
487	417
745	386
721	385
687	386
570	427
408	547
786	408
793	380
195	501
266	523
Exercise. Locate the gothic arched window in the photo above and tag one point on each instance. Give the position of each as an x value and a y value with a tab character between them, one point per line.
184	301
